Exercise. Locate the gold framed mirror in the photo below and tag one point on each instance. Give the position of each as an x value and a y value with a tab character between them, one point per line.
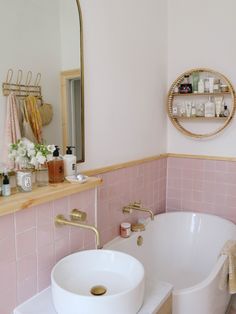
44	37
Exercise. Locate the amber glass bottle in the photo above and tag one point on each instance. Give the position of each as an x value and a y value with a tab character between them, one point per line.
56	168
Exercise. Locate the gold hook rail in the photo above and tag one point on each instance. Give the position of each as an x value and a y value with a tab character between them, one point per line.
19	89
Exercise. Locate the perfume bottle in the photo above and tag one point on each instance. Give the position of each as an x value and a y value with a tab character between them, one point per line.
210	110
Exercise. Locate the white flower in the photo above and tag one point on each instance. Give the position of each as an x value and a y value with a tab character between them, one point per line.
40	158
21	151
34	162
31	152
51	148
21	161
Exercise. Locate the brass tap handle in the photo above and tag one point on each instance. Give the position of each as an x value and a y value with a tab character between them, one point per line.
136	204
127	210
78	215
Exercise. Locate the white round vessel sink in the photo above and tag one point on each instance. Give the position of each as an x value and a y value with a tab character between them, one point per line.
98	281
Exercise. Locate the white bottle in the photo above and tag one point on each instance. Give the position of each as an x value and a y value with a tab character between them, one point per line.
201	86
193	110
69	162
210	109
188	109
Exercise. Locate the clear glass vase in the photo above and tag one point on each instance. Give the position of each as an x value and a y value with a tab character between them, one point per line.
42	175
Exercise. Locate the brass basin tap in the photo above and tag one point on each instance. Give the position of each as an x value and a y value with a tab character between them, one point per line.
137	206
76	218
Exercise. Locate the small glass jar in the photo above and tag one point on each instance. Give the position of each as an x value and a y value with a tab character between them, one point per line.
125	230
42	178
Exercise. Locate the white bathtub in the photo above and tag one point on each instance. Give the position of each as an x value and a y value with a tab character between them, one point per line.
183	249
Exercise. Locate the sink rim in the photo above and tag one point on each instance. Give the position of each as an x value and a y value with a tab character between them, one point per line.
105	296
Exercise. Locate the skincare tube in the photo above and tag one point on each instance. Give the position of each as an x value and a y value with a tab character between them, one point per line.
218	104
211	84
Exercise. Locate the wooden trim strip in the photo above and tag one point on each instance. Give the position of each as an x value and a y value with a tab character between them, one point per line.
207	157
45	194
128	164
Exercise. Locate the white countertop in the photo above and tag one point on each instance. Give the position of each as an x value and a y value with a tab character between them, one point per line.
156	293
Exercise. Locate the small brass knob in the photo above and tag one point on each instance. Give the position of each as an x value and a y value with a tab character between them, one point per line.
78	215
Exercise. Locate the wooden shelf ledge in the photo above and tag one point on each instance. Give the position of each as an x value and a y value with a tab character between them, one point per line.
40	195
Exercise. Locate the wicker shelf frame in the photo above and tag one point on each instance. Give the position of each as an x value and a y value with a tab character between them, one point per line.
176	120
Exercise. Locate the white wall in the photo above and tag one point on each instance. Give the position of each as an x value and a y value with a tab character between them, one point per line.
30	40
202	34
125	79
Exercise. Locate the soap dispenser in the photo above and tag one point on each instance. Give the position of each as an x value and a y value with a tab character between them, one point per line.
69	162
56	167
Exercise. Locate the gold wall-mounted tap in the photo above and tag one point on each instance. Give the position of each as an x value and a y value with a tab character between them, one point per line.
137	206
76	218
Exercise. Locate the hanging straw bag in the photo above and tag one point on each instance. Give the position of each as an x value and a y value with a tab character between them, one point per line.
46	113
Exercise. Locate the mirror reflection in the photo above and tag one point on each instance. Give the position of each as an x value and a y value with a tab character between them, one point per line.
50	60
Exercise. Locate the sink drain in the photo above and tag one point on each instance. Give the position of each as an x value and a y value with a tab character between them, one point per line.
98	290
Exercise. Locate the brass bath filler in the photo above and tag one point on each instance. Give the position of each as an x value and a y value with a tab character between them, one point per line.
76	217
137	206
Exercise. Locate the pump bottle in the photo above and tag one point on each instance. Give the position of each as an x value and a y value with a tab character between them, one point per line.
69	162
56	168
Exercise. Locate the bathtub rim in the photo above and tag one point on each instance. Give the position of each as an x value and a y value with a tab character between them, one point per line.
215	269
205	282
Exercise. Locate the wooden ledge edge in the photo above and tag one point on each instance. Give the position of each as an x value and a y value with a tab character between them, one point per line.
40	195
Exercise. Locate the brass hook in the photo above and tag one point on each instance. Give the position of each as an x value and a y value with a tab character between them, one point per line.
38	79
19	77
9	76
27	82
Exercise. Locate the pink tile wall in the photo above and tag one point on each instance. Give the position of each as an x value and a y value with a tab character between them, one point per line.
145	183
202	185
30	245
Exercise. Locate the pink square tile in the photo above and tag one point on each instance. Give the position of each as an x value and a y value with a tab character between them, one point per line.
8	301
62	248
26	243
25	219
26	267
7	226
8	276
60	207
60	232
26	289
7	245
45	257
44	279
76	239
44	213
44	235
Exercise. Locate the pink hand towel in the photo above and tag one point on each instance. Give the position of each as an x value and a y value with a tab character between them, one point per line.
12	127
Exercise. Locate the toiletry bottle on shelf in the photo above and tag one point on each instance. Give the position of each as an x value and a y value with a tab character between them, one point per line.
201	86
6	188
175	110
56	168
69	162
193	110
195	79
210	110
186	86
218	104
226	111
188	109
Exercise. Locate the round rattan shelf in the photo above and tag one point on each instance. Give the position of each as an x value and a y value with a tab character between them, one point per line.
177	121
